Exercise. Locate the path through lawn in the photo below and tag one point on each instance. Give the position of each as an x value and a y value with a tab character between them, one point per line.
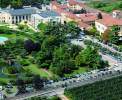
63	97
37	71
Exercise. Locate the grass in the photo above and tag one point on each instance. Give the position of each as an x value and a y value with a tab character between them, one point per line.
8	35
79	71
106	5
120	46
4	80
37	71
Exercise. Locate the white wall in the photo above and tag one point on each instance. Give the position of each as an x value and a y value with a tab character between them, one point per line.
100	27
36	19
120	33
5	17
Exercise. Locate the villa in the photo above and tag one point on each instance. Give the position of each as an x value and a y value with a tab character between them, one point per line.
90	17
14	16
45	17
108	21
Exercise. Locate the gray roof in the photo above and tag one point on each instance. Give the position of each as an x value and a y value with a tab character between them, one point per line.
47	14
23	11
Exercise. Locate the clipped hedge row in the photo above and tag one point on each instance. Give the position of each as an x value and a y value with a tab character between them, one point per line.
110	89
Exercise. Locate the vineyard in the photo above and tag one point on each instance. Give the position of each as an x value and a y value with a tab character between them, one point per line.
110	89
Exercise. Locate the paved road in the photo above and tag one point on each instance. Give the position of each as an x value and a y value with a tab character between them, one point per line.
44	92
112	61
57	88
70	83
102	44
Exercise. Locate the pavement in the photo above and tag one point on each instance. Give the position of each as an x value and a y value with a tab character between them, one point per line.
102	44
63	97
83	79
57	88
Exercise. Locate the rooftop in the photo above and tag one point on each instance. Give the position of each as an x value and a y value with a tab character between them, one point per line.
74	2
108	20
23	11
88	17
48	13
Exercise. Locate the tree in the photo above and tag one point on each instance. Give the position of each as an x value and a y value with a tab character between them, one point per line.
89	57
62	61
98	4
20	3
113	35
16	3
21	86
71	28
113	38
43	58
74	50
115	29
37	46
38	82
42	27
105	36
29	45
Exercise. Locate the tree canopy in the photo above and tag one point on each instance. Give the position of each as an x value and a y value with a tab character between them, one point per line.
20	3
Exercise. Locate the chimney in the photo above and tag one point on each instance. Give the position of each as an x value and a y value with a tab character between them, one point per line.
116	14
99	16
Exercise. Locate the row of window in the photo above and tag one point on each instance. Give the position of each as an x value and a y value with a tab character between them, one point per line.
21	17
2	17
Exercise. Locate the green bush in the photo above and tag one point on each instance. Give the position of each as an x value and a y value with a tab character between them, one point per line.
25	62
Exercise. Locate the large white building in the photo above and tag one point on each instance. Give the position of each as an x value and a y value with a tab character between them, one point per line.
14	16
45	17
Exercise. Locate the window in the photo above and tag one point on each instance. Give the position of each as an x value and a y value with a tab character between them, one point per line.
19	17
102	28
16	18
12	22
98	26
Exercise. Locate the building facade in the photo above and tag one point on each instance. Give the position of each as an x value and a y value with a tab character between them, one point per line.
14	16
107	22
45	17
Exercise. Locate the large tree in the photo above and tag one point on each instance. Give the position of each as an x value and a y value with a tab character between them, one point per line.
21	86
20	3
89	57
62	61
38	82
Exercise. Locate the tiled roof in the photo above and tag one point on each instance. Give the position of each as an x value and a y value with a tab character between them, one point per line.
88	17
59	9
83	25
73	2
108	20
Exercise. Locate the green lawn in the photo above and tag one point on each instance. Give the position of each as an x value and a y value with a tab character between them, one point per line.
37	71
120	46
8	35
4	80
79	71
